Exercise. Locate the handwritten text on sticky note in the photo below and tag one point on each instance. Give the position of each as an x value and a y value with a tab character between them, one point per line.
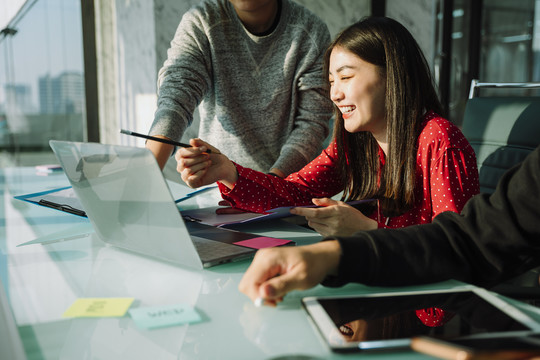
99	307
168	315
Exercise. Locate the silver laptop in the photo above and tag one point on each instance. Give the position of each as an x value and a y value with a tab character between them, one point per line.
130	206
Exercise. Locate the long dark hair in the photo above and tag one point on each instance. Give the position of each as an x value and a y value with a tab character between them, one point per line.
410	93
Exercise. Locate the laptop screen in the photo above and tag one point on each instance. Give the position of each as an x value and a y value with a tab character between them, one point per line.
127	199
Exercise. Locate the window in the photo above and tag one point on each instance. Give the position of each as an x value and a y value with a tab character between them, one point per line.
42	92
492	41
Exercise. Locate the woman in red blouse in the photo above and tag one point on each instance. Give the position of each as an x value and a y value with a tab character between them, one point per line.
390	144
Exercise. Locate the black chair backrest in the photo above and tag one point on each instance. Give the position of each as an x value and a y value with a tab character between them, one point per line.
502	132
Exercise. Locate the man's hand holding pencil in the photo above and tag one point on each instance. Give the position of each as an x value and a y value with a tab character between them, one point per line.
202	164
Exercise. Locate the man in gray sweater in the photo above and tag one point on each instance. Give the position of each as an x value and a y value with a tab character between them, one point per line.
255	68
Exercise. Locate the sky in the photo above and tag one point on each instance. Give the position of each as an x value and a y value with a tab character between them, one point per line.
8	9
48	41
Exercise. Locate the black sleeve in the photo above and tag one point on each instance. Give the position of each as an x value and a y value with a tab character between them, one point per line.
495	238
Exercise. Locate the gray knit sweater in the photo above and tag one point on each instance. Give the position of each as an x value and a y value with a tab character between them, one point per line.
263	100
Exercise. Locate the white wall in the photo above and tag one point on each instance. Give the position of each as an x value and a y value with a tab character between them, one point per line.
418	17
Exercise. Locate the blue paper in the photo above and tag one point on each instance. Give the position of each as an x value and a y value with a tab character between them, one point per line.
65	199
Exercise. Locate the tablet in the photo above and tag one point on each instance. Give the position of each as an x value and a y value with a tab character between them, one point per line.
388	320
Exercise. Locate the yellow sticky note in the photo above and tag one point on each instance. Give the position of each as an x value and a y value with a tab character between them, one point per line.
99	307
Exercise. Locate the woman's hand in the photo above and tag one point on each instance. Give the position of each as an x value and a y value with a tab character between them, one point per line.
276	271
199	168
335	218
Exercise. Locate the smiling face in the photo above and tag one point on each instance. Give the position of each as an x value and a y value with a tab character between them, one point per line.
358	90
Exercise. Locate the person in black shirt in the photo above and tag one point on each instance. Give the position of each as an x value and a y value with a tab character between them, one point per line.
495	238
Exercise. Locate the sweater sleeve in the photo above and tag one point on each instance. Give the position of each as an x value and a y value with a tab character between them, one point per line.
184	78
495	238
313	105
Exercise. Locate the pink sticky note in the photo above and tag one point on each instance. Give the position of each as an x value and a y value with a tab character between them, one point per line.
262	242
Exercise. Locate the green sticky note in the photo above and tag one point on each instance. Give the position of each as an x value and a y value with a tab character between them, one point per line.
167	315
99	307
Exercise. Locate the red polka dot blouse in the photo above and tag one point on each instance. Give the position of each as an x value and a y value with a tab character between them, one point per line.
447	177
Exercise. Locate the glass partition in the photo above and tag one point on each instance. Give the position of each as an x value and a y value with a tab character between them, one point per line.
507	44
507	49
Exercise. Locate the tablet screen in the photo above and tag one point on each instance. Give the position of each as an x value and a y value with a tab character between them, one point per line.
380	320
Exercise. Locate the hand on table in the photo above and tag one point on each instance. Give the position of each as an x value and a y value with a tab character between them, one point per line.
276	271
334	218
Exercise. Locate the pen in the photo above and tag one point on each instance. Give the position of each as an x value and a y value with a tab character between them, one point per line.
165	141
62	207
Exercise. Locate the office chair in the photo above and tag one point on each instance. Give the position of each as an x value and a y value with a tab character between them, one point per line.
503	130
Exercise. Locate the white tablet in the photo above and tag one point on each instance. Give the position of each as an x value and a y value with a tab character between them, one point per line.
388	320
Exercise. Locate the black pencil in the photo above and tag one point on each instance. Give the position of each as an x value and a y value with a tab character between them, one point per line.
165	141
